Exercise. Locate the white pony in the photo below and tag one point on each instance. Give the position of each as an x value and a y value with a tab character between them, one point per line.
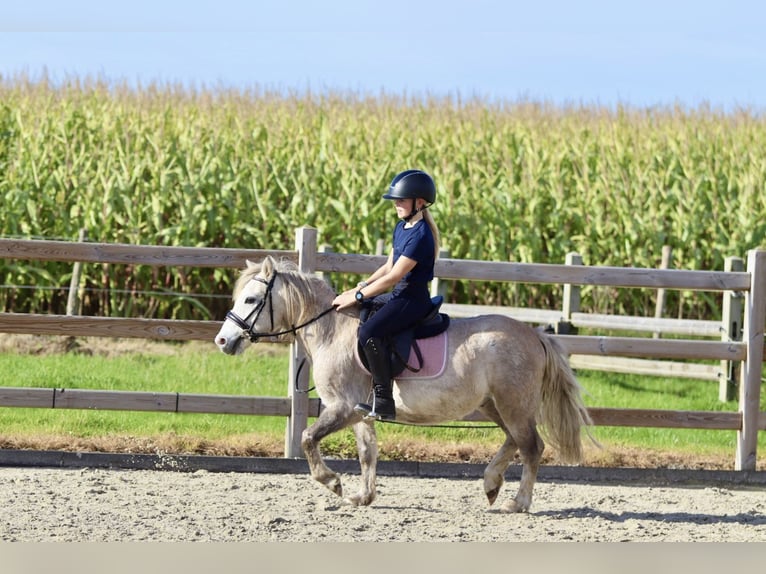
515	375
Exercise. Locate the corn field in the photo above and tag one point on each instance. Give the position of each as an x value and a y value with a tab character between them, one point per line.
517	181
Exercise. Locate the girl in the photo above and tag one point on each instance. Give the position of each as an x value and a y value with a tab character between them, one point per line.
398	290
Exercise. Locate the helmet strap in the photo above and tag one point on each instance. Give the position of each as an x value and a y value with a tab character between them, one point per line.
414	211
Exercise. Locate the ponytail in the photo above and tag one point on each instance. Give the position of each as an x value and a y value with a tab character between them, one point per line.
434	231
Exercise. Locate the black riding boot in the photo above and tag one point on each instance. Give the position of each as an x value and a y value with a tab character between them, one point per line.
383	406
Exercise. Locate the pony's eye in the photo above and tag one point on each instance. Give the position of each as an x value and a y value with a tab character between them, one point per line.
250	301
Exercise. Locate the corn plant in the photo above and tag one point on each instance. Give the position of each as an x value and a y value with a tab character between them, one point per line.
517	181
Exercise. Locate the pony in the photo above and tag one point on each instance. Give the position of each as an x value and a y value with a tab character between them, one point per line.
514	374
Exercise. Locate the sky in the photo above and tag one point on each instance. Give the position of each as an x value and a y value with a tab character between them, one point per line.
579	52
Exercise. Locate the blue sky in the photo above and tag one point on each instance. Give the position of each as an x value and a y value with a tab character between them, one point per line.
641	53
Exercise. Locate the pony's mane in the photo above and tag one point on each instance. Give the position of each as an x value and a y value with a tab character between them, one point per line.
254	269
304	291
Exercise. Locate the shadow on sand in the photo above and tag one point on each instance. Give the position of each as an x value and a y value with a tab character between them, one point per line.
752	519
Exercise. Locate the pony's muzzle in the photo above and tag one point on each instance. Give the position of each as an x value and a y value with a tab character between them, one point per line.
230	346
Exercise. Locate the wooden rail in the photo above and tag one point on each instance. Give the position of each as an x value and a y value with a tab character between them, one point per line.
280	406
77	326
147	401
152	255
541	273
297	407
549	273
205	330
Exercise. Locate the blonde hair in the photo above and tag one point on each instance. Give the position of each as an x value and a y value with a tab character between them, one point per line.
434	231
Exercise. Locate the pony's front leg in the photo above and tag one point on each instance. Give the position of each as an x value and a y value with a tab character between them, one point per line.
367	447
328	422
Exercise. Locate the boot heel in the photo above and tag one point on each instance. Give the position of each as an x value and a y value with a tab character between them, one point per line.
363	409
369	412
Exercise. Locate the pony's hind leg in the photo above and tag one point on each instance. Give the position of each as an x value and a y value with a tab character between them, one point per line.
493	474
531	451
524	436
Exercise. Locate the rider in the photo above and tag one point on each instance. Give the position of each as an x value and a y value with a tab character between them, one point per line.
406	273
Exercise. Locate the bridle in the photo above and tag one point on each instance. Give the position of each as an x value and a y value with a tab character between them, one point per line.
248	328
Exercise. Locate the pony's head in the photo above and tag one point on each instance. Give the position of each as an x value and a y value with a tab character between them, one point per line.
272	300
255	312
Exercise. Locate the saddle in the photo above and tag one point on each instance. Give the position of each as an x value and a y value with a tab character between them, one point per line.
433	324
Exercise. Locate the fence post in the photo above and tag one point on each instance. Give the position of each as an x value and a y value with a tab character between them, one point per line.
73	298
571	302
750	378
731	330
299	370
325	248
660	305
438	287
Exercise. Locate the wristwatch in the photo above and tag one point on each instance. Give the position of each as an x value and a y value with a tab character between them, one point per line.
359	297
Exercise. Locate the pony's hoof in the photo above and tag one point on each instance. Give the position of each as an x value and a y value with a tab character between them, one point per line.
492	495
514	507
335	486
359	500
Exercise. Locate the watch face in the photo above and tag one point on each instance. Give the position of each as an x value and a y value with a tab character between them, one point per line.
359	296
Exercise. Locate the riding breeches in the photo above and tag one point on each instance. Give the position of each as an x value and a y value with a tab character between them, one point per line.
394	316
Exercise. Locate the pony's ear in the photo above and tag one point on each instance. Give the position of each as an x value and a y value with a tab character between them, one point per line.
250	264
268	265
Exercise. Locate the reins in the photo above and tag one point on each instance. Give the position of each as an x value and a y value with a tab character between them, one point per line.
291	331
248	328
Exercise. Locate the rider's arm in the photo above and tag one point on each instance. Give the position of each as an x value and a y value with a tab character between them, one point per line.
380	271
390	277
384	278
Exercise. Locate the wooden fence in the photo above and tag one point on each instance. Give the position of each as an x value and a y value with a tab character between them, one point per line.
298	407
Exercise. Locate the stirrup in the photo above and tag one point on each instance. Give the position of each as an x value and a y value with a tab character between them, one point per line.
369	413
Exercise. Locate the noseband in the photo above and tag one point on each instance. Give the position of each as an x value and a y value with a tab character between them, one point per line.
248	328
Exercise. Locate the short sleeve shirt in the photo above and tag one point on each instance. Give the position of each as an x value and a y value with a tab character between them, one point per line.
417	243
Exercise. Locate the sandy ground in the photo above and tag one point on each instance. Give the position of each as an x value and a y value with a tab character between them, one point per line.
42	504
94	505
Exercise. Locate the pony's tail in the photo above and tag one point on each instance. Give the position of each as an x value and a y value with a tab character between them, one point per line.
563	412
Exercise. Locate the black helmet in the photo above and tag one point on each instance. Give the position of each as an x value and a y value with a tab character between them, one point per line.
412	184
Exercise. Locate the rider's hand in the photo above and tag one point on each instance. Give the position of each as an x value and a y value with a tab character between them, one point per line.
345	300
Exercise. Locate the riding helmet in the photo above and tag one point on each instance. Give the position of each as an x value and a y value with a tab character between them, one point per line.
412	184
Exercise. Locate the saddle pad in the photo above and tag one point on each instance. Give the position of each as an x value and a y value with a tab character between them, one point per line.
434	351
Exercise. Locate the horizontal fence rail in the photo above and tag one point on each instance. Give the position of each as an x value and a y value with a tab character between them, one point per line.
689	327
36	324
149	402
643	355
152	255
77	326
541	273
36	397
649	367
551	273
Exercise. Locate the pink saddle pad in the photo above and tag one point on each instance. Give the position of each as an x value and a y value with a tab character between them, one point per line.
434	352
